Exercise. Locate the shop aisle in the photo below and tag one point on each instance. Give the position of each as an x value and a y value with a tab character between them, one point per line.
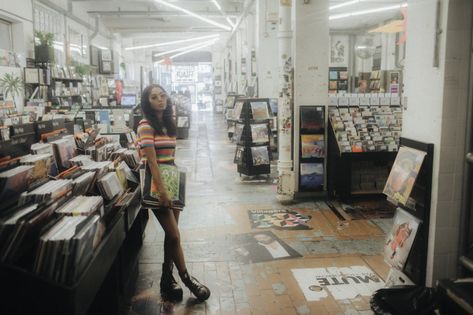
337	263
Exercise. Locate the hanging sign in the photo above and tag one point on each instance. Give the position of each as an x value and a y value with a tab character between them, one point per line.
183	74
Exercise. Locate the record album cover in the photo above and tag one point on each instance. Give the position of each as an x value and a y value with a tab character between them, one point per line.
260	155
312	176
259	110
313	146
312	118
259	133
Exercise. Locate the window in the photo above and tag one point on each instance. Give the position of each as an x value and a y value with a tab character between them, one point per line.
5	35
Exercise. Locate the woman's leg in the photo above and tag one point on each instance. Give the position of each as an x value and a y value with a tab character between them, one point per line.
168	261
172	243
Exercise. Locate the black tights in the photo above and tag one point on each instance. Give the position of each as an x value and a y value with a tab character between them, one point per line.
172	240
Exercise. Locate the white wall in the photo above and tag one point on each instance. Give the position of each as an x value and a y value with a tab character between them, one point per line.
20	13
436	113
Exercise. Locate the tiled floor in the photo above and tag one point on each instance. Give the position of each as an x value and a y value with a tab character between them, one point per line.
213	222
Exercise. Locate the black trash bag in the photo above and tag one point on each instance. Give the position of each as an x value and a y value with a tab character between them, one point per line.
404	300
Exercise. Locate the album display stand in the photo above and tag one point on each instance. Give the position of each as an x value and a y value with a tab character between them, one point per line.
340	168
101	288
418	206
229	106
253	153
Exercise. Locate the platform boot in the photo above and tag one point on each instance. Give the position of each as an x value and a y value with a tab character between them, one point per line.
200	291
170	289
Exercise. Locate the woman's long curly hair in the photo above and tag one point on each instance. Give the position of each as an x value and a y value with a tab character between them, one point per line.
150	114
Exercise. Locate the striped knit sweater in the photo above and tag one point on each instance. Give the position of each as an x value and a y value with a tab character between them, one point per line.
164	145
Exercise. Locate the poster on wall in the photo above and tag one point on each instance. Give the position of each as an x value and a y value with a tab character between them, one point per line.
339	51
339	283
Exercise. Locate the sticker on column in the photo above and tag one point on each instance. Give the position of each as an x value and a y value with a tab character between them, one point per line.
340	283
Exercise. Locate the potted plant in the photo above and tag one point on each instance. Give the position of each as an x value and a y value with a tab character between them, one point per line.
11	85
43	49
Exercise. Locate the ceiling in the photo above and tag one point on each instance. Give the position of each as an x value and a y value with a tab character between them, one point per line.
146	21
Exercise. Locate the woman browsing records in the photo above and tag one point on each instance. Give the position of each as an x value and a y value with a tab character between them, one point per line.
157	143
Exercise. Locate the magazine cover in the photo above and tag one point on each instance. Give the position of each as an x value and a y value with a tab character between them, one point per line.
259	110
312	118
260	155
403	174
312	175
281	219
237	110
400	239
259	133
313	146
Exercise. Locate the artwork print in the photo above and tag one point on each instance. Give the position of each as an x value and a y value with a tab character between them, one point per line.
400	239
259	110
312	146
312	118
312	176
281	219
403	174
339	51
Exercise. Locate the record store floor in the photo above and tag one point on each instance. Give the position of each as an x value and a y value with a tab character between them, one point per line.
327	266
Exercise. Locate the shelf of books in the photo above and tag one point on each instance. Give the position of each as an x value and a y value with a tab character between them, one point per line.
67	208
252	136
337	79
376	81
409	188
362	142
312	148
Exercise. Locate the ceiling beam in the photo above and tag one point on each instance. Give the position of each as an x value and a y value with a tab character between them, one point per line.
124	13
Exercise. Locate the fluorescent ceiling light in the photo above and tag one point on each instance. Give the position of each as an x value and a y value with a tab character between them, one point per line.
225	27
230	22
188	51
217	5
363	12
173	42
185	48
344	4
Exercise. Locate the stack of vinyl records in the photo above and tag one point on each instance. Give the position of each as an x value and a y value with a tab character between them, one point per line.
13	183
131	158
46	148
52	190
81	160
125	175
82	206
83	183
110	186
66	248
64	150
19	231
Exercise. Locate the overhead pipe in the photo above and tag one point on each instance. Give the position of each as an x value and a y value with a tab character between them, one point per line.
240	19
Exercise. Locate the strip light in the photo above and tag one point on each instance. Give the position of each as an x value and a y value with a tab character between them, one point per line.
344	4
184	48
230	22
217	5
188	51
225	27
363	12
173	42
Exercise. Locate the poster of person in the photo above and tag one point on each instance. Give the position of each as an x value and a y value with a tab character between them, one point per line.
400	239
340	283
281	219
312	146
312	176
403	174
338	51
262	246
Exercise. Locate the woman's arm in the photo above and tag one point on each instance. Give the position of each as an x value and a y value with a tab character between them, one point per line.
153	166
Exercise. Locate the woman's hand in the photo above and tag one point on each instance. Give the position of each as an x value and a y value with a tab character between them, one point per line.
164	199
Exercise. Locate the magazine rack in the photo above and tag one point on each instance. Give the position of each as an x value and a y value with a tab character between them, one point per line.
416	264
339	169
246	144
108	275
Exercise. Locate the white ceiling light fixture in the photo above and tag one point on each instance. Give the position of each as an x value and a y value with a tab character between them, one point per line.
230	22
185	48
225	27
363	12
173	42
188	51
217	5
344	4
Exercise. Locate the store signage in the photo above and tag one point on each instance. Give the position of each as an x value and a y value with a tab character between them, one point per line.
183	74
340	283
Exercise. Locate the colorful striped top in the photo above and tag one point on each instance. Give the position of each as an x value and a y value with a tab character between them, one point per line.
164	145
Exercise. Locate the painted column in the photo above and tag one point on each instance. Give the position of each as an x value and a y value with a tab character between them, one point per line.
266	48
250	39
310	63
285	172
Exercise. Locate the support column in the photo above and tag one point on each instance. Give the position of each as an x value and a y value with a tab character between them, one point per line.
310	63
267	47
285	172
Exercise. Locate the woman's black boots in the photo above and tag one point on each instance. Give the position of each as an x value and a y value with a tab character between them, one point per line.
200	291
170	289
